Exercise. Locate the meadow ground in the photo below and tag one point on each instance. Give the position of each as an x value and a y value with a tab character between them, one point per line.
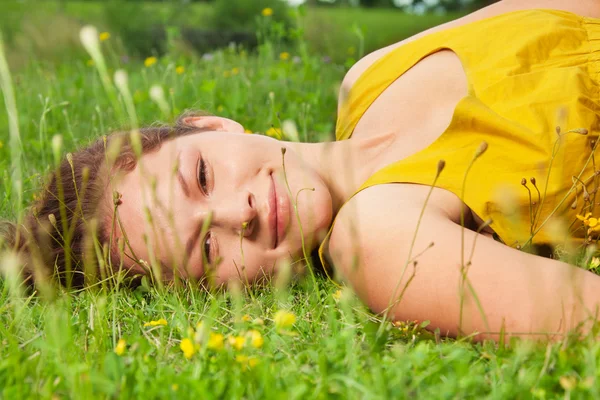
308	338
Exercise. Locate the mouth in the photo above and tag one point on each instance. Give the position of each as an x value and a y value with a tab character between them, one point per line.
279	210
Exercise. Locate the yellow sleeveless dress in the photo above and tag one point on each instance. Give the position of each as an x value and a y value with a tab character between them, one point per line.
528	71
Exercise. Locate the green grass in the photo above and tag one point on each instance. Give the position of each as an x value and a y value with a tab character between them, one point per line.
62	345
48	29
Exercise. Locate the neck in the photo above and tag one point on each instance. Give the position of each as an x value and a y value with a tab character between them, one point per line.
344	165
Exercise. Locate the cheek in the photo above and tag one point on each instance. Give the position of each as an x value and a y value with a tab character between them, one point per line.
254	263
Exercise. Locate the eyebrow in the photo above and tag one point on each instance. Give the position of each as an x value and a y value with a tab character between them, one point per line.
184	185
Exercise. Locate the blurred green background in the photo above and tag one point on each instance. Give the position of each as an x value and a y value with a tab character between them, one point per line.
342	30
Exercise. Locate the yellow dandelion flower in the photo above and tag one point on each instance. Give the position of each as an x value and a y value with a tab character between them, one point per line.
274	133
180	70
158	322
246	317
174	387
237	342
284	319
215	341
89	63
284	56
235	71
245	361
337	295
150	61
245	131
267	12
104	36
120	347
256	339
188	348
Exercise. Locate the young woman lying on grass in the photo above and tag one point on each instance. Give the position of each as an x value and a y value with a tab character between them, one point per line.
453	127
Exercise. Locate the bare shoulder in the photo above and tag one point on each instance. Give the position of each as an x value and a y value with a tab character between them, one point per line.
423	266
588	8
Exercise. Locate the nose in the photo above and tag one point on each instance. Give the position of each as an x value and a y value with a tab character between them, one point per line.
238	214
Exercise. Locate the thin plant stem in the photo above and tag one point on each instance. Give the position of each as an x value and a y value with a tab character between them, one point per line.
464	269
15	145
393	302
297	214
563	199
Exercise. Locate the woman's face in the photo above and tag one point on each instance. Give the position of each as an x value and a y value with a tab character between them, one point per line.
220	201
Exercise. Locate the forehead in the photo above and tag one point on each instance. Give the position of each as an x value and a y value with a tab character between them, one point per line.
144	191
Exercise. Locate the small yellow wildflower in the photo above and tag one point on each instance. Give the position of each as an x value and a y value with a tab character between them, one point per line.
245	130
174	387
215	341
284	319
284	56
590	221
188	348
159	322
150	61
595	263
120	347
226	74
274	132
337	295
245	361
104	36
256	339
235	71
567	382
246	317
237	342
584	218
180	70
267	12
89	63
220	108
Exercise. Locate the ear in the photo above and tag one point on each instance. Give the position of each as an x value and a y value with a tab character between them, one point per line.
214	123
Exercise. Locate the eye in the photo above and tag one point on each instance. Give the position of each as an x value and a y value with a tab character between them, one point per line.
202	176
207	248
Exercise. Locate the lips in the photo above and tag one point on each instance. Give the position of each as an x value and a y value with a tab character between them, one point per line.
279	212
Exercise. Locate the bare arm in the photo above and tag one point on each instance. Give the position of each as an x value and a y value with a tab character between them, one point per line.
524	293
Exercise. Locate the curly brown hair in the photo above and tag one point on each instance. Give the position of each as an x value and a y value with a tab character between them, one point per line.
66	230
